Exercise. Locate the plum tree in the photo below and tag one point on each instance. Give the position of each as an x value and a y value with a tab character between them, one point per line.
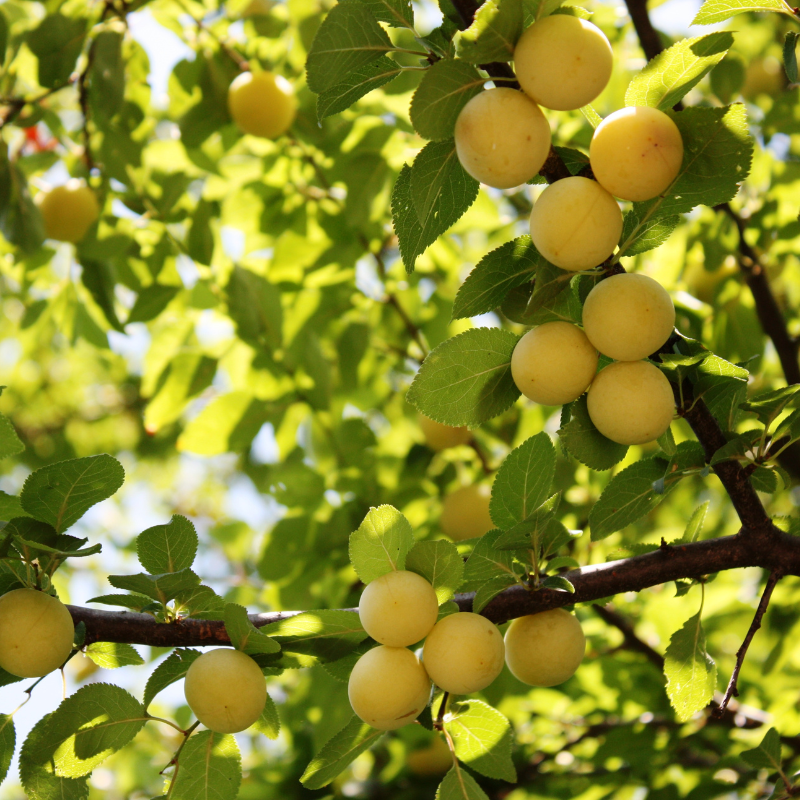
563	62
463	653
441	437
262	104
465	512
68	211
36	633
226	690
636	153
554	363
545	649
631	402
388	687
628	317
502	138
576	224
399	608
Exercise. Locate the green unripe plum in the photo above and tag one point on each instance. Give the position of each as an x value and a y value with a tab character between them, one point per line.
631	402
427	762
262	104
399	608
388	687
465	512
463	653
545	649
576	224
636	153
628	317
439	436
68	211
36	633
563	62
502	138
226	690
554	363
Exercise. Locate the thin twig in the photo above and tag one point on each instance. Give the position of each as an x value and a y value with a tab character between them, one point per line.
439	721
229	51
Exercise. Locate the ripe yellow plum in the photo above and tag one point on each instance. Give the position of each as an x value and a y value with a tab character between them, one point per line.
636	153
703	283
502	138
576	224
628	317
435	759
631	402
545	649
226	690
554	363
262	104
563	62
68	211
465	512
399	608
388	687
440	437
36	633
463	653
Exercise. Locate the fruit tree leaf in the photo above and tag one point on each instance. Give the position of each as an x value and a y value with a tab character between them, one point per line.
62	493
348	39
343	748
713	11
10	444
381	543
254	304
111	655
210	768
767	755
767	405
695	525
172	669
57	43
358	83
135	602
200	602
493	33
10	507
269	722
482	738
167	548
244	635
523	481
467	380
162	588
8	742
397	13
488	570
187	375
458	784
790	55
584	442
326	634
675	71
690	671
440	564
638	237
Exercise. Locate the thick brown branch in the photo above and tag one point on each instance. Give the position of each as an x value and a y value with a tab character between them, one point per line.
649	37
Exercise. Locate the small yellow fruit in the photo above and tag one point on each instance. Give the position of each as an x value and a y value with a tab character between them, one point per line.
36	633
427	762
68	211
262	104
563	62
440	437
636	153
399	608
226	690
576	224
545	649
554	363
628	317
502	138
388	687
631	402
463	653
703	283
465	512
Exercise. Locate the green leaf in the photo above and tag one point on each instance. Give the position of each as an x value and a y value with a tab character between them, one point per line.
443	91
10	444
628	496
210	768
768	405
57	43
244	635
3	36
342	749
200	602
690	671
459	785
111	655
20	220
10	507
467	380
675	71
162	588
132	601
482	738
713	11
493	33
172	669
440	564
790	56
62	493
381	543
695	525
326	634
254	304
638	237
357	84
559	583
486	592
167	548
348	39
584	442
106	75
397	13
494	276
488	570
8	741
152	300
269	722
767	755
523	481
